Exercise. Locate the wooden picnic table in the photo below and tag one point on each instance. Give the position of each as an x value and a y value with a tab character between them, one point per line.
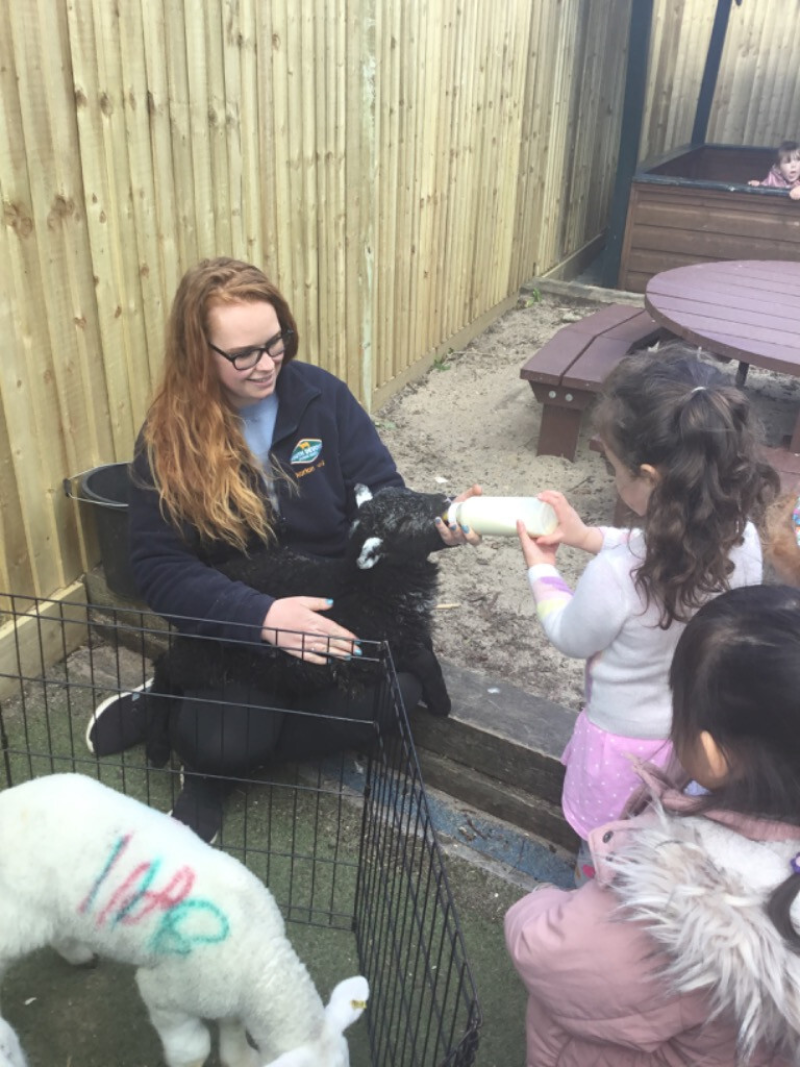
748	310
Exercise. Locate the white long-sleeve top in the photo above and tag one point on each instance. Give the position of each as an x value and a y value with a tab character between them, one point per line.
605	622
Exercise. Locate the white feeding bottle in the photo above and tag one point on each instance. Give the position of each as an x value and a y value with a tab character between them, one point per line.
499	515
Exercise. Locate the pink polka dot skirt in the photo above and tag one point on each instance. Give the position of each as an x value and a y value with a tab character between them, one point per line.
600	778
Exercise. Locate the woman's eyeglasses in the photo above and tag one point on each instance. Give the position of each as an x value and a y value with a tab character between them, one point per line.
246	358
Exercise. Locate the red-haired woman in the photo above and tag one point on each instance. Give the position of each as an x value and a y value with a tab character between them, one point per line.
243	445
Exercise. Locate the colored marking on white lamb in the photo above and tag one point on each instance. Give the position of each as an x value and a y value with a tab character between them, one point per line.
133	900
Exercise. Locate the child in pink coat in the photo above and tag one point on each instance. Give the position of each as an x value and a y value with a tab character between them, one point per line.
785	173
685	948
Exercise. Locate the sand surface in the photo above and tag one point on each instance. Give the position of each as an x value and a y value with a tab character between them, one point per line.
475	420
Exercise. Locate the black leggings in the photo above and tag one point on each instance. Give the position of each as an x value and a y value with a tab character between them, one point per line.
233	730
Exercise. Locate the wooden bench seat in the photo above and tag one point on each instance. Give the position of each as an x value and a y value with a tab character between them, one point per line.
569	370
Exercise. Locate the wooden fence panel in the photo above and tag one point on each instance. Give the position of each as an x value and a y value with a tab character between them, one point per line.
756	102
397	168
43	379
169	235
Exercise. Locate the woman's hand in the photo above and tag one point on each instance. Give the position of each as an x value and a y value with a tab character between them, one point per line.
460	535
571	529
294	624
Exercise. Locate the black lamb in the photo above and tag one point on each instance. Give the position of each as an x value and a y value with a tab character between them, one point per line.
383	590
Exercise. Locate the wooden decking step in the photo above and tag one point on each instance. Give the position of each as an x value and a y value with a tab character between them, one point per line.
499	751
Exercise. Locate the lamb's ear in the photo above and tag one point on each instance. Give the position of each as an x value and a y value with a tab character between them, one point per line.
370	553
347	1002
363	494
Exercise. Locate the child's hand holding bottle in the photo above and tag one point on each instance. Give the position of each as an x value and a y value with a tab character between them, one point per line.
571	530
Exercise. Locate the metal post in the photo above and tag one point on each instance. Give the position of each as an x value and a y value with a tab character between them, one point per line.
630	134
711	71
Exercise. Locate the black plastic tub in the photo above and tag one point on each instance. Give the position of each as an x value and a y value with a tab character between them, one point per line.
107	488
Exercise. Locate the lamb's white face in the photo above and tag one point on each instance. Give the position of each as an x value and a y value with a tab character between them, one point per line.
347	1003
370	553
363	494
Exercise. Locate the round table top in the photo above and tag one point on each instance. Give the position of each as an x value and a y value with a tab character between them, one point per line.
747	309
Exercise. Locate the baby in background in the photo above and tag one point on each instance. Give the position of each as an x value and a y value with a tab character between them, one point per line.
785	172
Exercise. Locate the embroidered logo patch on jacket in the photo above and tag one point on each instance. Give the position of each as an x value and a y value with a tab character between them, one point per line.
306	450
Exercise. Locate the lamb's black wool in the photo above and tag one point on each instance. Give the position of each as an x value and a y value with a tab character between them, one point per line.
382	590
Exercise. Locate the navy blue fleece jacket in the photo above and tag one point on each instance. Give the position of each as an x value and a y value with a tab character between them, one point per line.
327	442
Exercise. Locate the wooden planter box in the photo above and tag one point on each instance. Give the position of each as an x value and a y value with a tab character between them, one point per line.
695	206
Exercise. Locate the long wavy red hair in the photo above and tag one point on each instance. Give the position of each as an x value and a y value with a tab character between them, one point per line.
204	472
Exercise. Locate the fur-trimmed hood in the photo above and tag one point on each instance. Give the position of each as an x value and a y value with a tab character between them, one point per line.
700	884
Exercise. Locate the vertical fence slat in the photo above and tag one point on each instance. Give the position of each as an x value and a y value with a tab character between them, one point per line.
359	162
169	233
223	129
322	45
199	149
306	135
39	370
143	201
126	264
782	111
386	130
439	268
263	139
338	183
104	219
78	373
428	44
522	256
510	129
456	174
180	115
254	193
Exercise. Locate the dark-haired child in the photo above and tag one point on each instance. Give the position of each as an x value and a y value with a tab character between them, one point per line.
685	949
785	172
680	443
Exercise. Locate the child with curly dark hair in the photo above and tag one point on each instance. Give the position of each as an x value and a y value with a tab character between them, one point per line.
680	443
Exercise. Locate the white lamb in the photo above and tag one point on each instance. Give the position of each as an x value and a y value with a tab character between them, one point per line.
91	871
11	1055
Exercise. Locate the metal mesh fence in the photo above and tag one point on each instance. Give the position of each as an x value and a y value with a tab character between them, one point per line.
344	841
